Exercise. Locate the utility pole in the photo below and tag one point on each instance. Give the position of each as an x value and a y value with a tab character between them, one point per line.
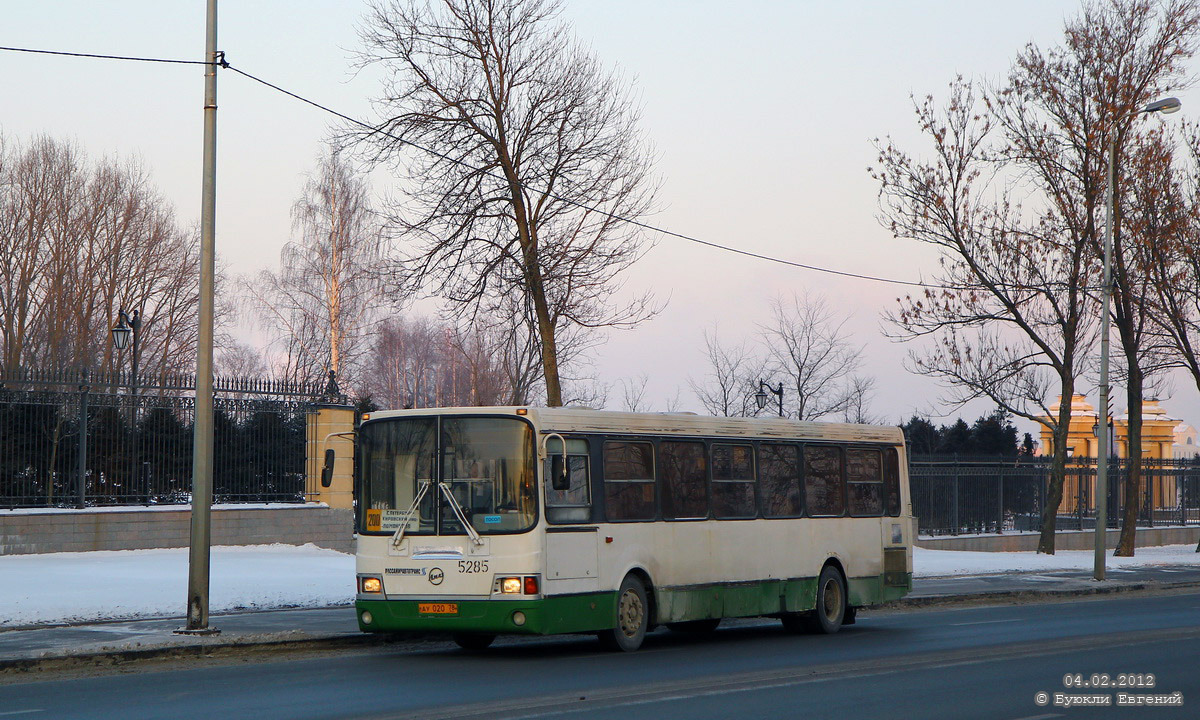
202	448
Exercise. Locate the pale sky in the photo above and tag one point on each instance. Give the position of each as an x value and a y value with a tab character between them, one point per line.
763	115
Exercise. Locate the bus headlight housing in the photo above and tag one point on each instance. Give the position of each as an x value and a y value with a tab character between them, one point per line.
517	585
370	584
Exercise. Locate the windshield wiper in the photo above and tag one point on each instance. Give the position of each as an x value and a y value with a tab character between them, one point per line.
398	537
462	516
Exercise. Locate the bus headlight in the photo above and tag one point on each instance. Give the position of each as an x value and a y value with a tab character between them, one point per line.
367	617
510	585
518	618
370	584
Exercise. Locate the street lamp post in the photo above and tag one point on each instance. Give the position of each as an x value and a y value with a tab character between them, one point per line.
128	328
760	397
1164	106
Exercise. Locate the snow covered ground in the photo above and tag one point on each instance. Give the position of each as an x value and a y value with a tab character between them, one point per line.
121	584
79	587
941	563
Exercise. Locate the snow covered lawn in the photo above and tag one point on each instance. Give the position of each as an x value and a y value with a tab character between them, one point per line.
935	563
122	584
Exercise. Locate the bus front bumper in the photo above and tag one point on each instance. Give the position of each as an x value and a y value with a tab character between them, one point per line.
541	616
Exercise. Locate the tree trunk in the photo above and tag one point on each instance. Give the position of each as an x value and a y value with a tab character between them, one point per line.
1058	469
1133	479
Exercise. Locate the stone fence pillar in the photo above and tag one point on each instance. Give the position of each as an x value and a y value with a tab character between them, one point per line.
331	419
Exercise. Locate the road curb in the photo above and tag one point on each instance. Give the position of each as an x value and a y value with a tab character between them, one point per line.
206	647
1019	595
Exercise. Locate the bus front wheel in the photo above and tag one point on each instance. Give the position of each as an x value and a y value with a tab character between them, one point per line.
633	617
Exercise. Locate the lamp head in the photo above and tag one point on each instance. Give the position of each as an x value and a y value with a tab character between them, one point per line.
121	333
1166	106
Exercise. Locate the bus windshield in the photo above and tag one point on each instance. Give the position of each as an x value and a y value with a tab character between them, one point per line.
486	463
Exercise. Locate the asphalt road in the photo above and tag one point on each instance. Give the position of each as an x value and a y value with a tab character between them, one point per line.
979	662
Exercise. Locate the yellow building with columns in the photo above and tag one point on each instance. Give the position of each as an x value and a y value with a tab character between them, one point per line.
1158	431
1158	443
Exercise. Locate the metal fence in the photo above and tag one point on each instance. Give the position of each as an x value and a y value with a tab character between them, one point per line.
78	439
953	495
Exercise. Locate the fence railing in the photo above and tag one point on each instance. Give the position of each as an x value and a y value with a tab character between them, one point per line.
953	495
77	439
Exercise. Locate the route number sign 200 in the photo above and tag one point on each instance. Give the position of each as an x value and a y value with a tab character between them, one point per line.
470	567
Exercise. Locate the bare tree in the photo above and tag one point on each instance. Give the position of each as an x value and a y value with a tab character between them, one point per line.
633	391
80	241
1015	199
1132	51
1005	316
524	159
241	360
323	303
728	388
806	343
858	407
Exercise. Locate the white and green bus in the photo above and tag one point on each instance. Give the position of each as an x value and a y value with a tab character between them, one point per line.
481	521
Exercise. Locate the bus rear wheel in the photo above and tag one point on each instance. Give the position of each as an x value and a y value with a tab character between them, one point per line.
474	641
632	620
830	610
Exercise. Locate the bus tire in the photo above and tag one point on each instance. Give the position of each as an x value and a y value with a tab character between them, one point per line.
474	641
632	617
695	626
830	610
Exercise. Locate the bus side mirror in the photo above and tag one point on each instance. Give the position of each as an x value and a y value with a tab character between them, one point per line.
327	470
560	478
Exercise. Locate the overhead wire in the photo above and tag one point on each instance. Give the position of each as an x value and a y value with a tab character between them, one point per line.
582	206
221	62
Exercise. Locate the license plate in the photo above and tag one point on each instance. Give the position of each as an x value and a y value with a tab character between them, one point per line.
437	608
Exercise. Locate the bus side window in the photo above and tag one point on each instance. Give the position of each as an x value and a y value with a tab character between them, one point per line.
629	481
733	481
779	477
568	499
823	480
864	482
682	471
891	480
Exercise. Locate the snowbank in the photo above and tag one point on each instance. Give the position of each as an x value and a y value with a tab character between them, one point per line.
941	563
73	587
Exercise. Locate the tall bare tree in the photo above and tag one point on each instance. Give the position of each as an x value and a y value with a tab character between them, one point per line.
325	300
1015	198
78	242
1006	316
1134	51
523	157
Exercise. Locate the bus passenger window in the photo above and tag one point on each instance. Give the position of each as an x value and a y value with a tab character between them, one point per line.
629	481
823	480
682	473
864	482
779	472
568	501
733	481
891	480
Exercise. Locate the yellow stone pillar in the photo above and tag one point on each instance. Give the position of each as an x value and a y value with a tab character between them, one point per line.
329	419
